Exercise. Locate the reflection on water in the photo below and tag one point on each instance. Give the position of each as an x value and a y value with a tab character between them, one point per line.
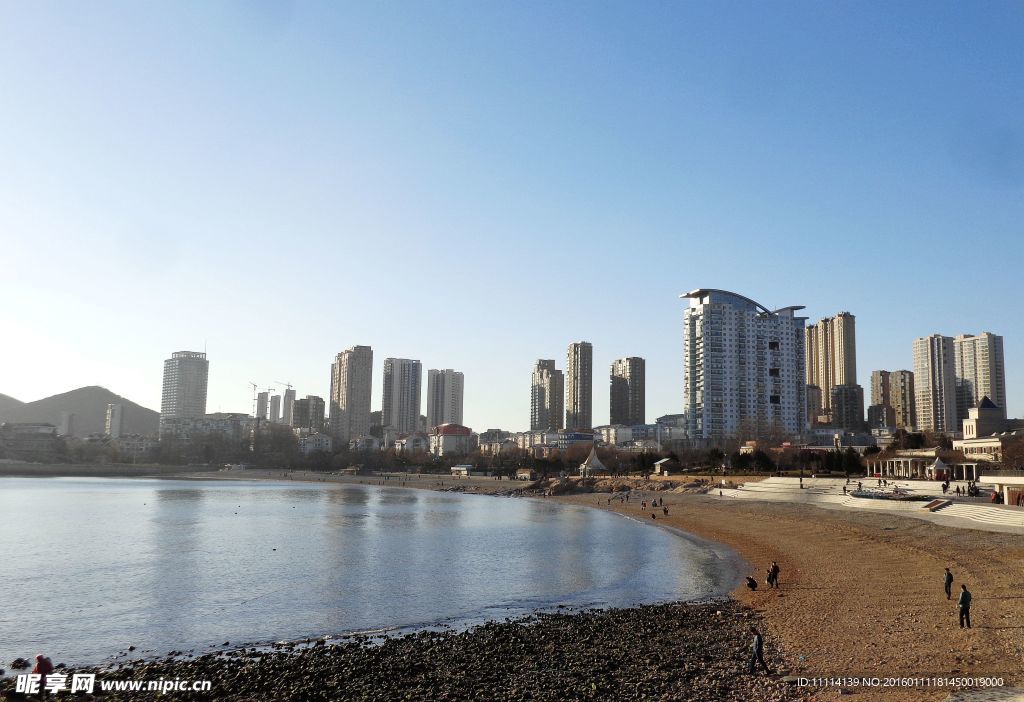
95	565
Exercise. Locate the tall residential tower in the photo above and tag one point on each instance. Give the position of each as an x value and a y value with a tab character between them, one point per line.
444	397
403	379
579	371
186	374
351	384
627	404
980	372
831	355
935	383
743	368
547	396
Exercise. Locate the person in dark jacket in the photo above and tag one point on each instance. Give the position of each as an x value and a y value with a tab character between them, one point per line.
774	570
964	605
949	585
757	652
751	583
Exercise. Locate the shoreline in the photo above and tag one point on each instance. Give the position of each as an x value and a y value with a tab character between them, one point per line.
861	592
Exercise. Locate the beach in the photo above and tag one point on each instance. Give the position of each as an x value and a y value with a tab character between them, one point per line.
861	592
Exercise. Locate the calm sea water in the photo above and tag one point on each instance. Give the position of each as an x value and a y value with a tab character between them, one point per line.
91	566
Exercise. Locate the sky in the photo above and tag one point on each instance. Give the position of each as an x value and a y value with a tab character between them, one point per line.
476	185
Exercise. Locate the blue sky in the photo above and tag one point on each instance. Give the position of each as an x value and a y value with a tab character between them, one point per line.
479	184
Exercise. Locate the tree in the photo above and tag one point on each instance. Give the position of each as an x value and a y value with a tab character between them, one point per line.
762	462
851	462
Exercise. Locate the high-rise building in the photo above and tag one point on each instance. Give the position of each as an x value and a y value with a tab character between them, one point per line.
743	368
881	417
67	424
813	404
848	407
881	388
627	403
547	396
831	355
579	371
308	413
904	401
115	420
444	397
262	405
403	379
275	409
980	372
286	406
184	389
935	383
893	393
351	386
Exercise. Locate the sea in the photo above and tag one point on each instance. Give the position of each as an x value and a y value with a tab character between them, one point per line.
92	566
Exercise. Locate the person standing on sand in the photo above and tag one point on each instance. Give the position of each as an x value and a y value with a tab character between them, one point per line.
757	652
948	580
964	605
774	570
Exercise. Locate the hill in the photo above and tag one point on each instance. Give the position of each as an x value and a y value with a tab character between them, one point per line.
88	404
9	404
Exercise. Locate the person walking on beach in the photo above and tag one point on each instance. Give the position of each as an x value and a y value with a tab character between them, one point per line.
757	652
948	580
774	570
964	605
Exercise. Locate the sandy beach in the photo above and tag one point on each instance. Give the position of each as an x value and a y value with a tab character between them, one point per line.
861	593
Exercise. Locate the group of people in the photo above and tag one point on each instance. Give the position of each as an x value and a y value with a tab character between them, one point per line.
963	603
771	577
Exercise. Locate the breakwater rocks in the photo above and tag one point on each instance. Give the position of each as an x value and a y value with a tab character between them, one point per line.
658	652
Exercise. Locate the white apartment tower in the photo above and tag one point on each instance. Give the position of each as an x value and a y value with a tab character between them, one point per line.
351	386
444	397
547	396
831	355
184	390
115	420
579	371
626	400
287	406
403	379
935	383
275	409
979	371
743	368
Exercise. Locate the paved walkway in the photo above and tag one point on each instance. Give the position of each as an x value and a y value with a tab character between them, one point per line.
965	513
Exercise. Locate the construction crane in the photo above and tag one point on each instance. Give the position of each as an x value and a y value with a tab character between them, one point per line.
287	385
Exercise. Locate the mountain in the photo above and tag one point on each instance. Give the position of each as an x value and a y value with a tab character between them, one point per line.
88	404
9	404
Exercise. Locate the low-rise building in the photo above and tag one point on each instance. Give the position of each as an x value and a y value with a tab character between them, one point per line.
365	443
315	442
28	441
416	442
448	439
498	448
135	446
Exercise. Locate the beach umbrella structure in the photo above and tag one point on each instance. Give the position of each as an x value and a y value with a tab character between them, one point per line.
938	470
592	465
